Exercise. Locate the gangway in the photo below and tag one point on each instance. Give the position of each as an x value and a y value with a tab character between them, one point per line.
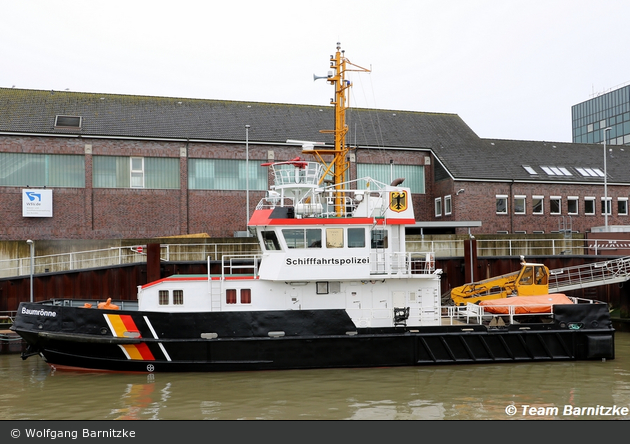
589	275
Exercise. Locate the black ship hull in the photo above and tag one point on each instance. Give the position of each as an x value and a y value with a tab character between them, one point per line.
239	341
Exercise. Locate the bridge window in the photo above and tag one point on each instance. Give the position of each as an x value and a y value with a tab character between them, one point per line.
334	237
356	237
270	240
303	238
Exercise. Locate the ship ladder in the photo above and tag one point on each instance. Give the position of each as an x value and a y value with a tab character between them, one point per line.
215	294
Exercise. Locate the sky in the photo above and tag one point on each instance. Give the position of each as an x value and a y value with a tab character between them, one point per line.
510	69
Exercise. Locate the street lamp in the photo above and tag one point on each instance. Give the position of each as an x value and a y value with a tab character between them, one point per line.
30	242
247	173
605	182
391	170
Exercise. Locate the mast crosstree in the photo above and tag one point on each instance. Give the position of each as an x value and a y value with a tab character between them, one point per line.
337	167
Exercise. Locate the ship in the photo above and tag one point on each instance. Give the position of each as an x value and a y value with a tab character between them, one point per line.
332	287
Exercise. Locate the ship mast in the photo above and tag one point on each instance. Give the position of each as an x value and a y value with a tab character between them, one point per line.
338	166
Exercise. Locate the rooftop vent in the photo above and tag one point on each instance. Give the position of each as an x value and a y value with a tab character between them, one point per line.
68	122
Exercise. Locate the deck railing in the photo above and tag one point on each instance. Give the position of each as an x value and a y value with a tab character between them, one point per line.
476	314
214	251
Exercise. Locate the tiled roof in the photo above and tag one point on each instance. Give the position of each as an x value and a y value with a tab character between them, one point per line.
552	161
34	111
458	148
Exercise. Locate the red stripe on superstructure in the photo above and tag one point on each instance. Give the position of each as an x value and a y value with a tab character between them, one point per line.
173	278
237	278
337	221
260	217
195	278
127	320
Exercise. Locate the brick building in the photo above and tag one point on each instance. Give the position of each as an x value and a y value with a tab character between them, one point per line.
116	166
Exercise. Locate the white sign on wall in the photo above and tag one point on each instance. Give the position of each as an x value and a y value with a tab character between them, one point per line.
37	203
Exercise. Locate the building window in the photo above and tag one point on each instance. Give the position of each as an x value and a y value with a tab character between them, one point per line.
68	122
163	297
537	205
606	208
448	205
622	206
438	207
246	296
39	170
529	169
589	206
413	174
226	174
178	297
502	204
137	172
519	204
555	205
572	205
230	296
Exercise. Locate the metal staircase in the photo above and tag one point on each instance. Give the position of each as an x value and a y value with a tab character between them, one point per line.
589	275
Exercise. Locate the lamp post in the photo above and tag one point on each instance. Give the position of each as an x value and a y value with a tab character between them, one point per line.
605	182
247	174
391	170
30	242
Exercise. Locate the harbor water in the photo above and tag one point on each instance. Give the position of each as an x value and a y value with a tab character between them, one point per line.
31	390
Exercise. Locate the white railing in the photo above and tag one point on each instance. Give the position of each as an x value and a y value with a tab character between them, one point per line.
119	256
523	247
475	314
402	264
589	275
214	251
235	264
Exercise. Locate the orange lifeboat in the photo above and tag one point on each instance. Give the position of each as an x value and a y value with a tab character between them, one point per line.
525	304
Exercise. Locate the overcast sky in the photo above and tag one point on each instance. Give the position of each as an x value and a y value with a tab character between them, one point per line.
510	69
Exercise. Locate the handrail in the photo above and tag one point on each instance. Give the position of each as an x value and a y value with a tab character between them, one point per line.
200	252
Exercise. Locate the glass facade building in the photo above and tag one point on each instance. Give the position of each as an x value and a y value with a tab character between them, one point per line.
609	110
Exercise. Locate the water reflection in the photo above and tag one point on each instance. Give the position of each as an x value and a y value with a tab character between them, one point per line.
34	391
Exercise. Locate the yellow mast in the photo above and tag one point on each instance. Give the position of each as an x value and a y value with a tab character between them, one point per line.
338	166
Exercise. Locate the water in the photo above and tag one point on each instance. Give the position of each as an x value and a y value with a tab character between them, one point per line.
32	391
